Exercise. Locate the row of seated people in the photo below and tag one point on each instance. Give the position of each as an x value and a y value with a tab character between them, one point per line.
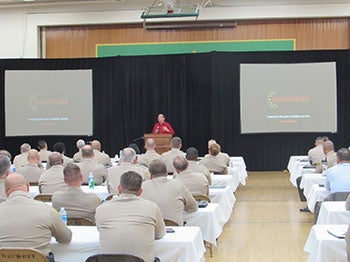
161	199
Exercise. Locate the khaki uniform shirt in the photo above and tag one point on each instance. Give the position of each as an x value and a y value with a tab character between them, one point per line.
3	196
31	172
331	158
66	161
215	164
171	196
77	157
51	180
44	155
88	165
223	156
129	224
148	157
168	158
102	159
76	202
114	174
196	167
196	182
30	223
316	155
20	160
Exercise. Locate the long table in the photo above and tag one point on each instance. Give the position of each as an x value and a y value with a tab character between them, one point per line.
186	244
316	194
295	166
333	212
324	247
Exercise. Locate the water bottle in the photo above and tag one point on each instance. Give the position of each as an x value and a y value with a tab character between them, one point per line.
13	169
63	215
91	181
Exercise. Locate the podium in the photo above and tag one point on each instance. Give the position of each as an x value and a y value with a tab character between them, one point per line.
163	141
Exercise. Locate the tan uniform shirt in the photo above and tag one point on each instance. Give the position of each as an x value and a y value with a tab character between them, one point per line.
196	167
20	160
31	172
44	155
129	224
316	154
168	158
331	158
223	156
171	196
148	157
3	196
114	174
76	202
51	180
215	164
77	157
66	161
88	165
30	223
196	182
102	158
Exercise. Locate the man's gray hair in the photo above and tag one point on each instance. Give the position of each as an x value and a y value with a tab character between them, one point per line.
176	142
180	163
80	143
5	165
128	155
25	148
343	154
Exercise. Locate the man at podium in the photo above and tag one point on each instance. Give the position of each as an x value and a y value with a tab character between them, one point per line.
162	127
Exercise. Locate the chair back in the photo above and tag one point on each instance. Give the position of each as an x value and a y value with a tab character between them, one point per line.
170	223
113	258
21	255
202	198
79	221
43	197
33	183
109	197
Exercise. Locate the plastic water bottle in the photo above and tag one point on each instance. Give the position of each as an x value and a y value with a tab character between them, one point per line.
13	169
91	181
63	215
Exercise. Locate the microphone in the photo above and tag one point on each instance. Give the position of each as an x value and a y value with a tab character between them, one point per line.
136	139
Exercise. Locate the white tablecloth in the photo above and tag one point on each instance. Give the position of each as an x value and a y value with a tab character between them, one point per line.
323	247
186	244
225	198
333	212
208	219
316	193
238	165
295	166
308	180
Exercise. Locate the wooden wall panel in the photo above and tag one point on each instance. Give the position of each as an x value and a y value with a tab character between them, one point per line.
310	34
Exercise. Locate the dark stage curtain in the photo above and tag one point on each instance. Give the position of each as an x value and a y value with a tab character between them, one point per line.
198	93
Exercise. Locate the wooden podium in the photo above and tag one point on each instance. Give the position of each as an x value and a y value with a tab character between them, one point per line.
163	141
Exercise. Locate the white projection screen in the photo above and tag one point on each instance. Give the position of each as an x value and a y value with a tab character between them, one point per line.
288	98
48	102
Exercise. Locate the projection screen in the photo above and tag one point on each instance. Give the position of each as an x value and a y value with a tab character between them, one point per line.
288	98
48	102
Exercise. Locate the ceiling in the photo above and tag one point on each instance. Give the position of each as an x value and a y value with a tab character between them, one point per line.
138	4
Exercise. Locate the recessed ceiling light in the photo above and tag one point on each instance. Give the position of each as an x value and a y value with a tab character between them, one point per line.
28	0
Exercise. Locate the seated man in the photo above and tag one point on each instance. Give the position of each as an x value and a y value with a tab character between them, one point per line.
127	163
77	156
43	151
168	157
21	159
213	162
72	198
331	156
192	157
338	176
150	154
223	156
32	171
29	223
170	195
316	154
88	164
5	170
129	224
51	180
101	158
60	148
196	182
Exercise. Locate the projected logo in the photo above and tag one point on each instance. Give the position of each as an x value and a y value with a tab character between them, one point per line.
35	102
273	100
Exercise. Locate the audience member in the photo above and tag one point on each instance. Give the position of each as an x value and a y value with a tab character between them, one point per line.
331	156
88	164
51	180
72	198
213	162
61	148
338	176
31	171
127	163
43	151
28	223
150	154
192	157
170	195
77	156
316	154
196	182
4	152
100	157
223	156
136	148
21	159
129	224
168	157
5	170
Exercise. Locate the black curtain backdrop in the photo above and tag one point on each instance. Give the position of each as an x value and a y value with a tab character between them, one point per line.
198	93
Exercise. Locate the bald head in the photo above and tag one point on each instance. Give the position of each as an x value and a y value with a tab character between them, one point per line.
96	145
87	152
150	144
328	146
180	163
15	182
33	156
55	159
